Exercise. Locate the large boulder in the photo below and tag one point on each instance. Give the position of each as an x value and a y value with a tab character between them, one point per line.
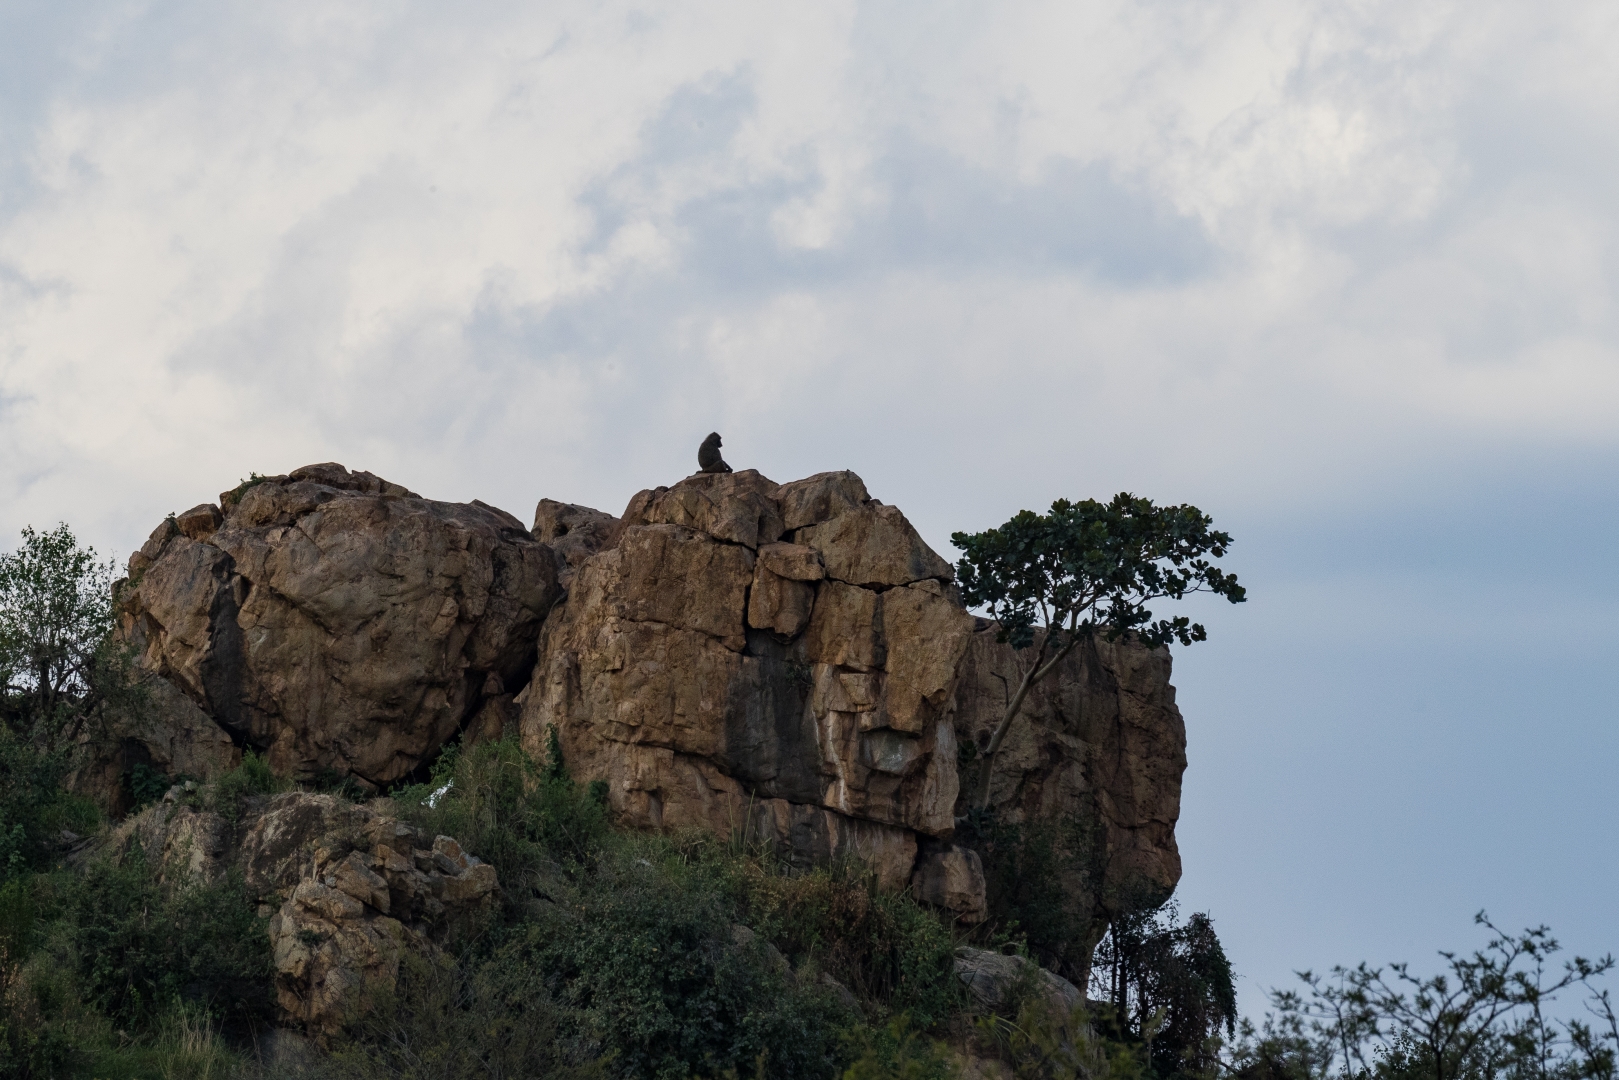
336	621
714	668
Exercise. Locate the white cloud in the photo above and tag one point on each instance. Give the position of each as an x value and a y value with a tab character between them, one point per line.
538	249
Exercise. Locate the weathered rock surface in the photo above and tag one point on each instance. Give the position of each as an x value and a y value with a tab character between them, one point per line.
952	877
347	888
1096	754
993	978
337	621
716	671
788	661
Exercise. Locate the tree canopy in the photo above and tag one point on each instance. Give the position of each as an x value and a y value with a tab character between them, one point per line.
1053	580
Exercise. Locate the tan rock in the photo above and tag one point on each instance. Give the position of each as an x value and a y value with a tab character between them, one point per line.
875	546
346	900
778	604
926	635
354	877
738	507
200	522
672	575
844	629
819	498
574	533
335	620
1097	750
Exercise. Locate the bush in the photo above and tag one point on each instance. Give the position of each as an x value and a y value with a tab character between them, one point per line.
896	1052
483	1017
252	777
138	945
884	947
652	958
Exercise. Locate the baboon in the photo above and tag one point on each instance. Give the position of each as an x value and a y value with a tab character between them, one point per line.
708	455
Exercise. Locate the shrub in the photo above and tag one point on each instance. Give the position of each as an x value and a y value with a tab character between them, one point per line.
651	955
252	777
139	945
489	1016
883	946
896	1052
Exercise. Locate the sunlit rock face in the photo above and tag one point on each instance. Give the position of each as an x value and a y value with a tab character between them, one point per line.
786	662
753	657
336	621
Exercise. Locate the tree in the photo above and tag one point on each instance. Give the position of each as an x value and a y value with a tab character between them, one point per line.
57	661
1054	580
1167	985
1489	1015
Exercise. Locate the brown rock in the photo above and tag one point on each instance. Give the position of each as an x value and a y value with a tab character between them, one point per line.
675	576
347	902
819	498
926	635
574	533
843	628
952	877
1097	751
199	522
739	508
166	732
874	546
338	621
778	604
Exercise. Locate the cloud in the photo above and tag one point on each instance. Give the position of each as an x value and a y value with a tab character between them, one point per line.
542	248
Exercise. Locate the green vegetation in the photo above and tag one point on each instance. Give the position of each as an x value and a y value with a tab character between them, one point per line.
625	955
1087	567
1492	1013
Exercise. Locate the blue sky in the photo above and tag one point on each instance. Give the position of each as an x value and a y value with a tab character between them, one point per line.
1340	274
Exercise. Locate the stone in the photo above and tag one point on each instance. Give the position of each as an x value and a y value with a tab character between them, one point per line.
819	498
738	508
345	903
925	635
952	878
574	533
678	577
200	522
1098	751
993	978
874	546
844	629
334	620
779	604
165	731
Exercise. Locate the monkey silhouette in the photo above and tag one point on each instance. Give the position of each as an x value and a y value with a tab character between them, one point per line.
708	455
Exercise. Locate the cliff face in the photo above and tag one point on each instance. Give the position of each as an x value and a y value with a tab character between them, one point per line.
789	661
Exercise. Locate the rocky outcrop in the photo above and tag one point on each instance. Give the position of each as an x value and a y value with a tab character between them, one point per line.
771	659
346	888
336	621
1095	756
790	662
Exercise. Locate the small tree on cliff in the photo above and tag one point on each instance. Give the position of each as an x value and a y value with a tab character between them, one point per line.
1054	580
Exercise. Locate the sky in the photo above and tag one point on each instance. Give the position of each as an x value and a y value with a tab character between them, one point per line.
1341	274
